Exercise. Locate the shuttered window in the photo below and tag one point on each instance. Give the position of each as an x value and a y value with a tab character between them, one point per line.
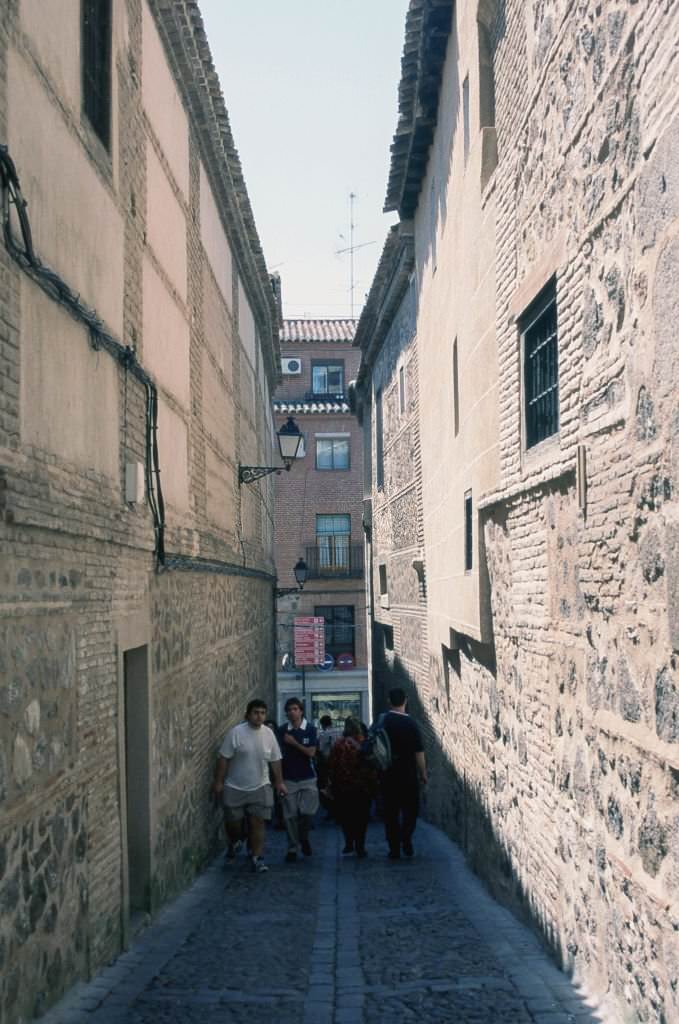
96	66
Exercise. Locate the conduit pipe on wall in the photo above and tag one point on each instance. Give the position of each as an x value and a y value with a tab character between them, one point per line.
100	337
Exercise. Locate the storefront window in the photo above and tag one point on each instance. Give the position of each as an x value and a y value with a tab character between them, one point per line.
338	705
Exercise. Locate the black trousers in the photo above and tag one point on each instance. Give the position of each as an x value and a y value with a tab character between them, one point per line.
353	813
401	799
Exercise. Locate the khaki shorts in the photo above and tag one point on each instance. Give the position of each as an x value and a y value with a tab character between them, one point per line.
302	798
255	802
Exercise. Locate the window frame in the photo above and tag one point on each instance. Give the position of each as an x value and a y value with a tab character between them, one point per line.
340	648
466	120
402	396
379	440
532	390
96	68
332	563
335	363
456	390
468	532
333	468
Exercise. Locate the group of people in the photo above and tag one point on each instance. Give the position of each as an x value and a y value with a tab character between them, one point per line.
297	763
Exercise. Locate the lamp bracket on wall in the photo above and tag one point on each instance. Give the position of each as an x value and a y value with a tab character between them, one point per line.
248	474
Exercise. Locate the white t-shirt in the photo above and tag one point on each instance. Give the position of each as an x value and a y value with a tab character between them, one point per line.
249	752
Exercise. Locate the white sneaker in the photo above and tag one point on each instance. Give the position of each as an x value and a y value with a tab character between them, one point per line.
258	865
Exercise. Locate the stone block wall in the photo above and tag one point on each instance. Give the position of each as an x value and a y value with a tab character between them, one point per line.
78	583
556	745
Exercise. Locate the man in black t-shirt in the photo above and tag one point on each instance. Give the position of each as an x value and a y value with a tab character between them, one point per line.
400	782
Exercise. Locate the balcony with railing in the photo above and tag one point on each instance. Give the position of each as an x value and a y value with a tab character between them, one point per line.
335	560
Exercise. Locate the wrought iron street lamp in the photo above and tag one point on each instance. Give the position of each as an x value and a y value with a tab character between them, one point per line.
289	441
300	572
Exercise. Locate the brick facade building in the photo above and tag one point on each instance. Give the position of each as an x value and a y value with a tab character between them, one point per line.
532	169
319	513
131	634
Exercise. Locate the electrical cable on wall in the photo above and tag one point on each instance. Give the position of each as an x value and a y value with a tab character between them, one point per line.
57	289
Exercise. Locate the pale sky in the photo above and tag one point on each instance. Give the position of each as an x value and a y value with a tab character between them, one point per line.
311	91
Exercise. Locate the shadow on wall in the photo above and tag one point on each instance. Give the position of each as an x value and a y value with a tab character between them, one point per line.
457	805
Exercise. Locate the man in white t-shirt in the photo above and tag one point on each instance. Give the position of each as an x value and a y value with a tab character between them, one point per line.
242	779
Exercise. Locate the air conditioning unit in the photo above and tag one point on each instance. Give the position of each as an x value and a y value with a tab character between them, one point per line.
291	367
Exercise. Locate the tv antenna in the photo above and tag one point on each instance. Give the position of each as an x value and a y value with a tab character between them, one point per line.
351	249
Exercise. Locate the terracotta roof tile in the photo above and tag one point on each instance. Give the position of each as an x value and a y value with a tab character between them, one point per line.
319	330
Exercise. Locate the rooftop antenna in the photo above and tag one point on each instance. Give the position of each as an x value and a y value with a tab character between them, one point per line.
351	249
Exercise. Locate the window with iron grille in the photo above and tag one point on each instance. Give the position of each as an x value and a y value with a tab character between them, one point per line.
96	66
332	453
339	628
333	539
539	335
468	533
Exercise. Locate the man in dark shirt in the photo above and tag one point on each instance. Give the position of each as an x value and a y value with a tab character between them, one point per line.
401	781
298	741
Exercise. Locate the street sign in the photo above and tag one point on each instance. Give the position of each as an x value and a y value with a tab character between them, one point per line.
309	640
327	665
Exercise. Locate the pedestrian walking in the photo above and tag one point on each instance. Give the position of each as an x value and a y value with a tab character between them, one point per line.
353	784
400	782
242	781
298	741
326	738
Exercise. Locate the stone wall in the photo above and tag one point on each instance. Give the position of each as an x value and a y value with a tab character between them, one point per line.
553	743
568	760
78	585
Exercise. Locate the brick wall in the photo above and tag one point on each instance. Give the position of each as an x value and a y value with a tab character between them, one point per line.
78	585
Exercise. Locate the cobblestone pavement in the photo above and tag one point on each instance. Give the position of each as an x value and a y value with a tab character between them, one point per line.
334	940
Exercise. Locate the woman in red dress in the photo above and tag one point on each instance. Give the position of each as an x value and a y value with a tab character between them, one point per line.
353	784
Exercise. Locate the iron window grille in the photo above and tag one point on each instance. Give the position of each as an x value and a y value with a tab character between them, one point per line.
333	541
468	533
332	453
541	368
96	29
339	628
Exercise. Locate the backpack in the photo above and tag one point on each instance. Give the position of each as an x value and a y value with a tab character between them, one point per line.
376	748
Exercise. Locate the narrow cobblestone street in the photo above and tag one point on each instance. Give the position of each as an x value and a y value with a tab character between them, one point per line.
333	940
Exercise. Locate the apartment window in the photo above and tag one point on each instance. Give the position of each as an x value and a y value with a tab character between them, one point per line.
339	628
95	18
383	579
332	453
468	533
333	538
379	441
327	378
486	79
433	223
538	328
456	392
465	117
402	390
388	637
